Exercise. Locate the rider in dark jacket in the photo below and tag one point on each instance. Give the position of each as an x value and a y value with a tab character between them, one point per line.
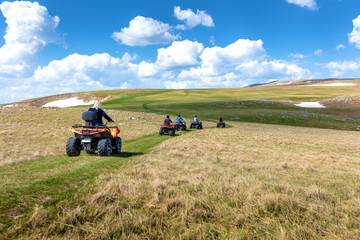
99	113
167	121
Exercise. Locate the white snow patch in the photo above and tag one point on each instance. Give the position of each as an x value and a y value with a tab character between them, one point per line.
333	85
69	102
310	105
10	105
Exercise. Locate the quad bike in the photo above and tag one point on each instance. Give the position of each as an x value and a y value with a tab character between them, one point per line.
170	129
181	126
220	124
91	138
197	125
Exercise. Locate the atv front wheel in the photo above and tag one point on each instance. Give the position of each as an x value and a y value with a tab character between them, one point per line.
117	145
73	147
172	132
104	147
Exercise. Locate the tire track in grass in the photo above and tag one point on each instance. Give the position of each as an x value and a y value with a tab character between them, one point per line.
49	180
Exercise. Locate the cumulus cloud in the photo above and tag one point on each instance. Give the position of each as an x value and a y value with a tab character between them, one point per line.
144	31
29	29
354	36
180	54
193	19
82	72
338	69
236	65
272	70
216	58
309	4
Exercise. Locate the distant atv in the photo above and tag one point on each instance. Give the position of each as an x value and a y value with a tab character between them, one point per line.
197	125
91	138
220	124
181	126
170	129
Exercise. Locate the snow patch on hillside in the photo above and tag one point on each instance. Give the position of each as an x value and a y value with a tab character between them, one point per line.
69	102
310	105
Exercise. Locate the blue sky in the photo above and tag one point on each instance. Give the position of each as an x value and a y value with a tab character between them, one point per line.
50	47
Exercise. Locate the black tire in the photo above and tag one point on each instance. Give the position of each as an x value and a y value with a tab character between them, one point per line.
73	147
217	125
104	147
223	126
183	128
172	132
117	144
161	131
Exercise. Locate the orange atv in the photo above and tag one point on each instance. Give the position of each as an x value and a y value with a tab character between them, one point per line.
91	138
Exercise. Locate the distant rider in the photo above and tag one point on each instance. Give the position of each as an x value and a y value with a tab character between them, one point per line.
220	120
196	120
167	121
178	119
99	113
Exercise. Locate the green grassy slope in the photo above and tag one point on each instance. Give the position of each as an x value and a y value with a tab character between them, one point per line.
246	104
49	180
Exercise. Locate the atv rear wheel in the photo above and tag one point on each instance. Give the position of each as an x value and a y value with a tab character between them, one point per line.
183	127
218	125
161	131
104	147
223	125
117	145
73	147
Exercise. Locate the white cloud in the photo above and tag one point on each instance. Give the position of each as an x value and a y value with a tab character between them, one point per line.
83	73
354	36
180	54
340	68
144	31
236	65
146	69
296	55
272	70
318	52
217	58
339	46
29	29
193	19
310	4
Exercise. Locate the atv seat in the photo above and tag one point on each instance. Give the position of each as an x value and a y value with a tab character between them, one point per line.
89	118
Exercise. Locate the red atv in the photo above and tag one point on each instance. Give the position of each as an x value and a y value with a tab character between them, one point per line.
91	138
170	129
220	124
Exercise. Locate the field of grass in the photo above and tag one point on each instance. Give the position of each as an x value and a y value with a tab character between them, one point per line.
263	178
252	181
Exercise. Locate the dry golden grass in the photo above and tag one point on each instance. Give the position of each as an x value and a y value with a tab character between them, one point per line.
31	132
252	181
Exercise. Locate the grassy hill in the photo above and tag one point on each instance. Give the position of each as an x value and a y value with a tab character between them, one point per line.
262	104
254	180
